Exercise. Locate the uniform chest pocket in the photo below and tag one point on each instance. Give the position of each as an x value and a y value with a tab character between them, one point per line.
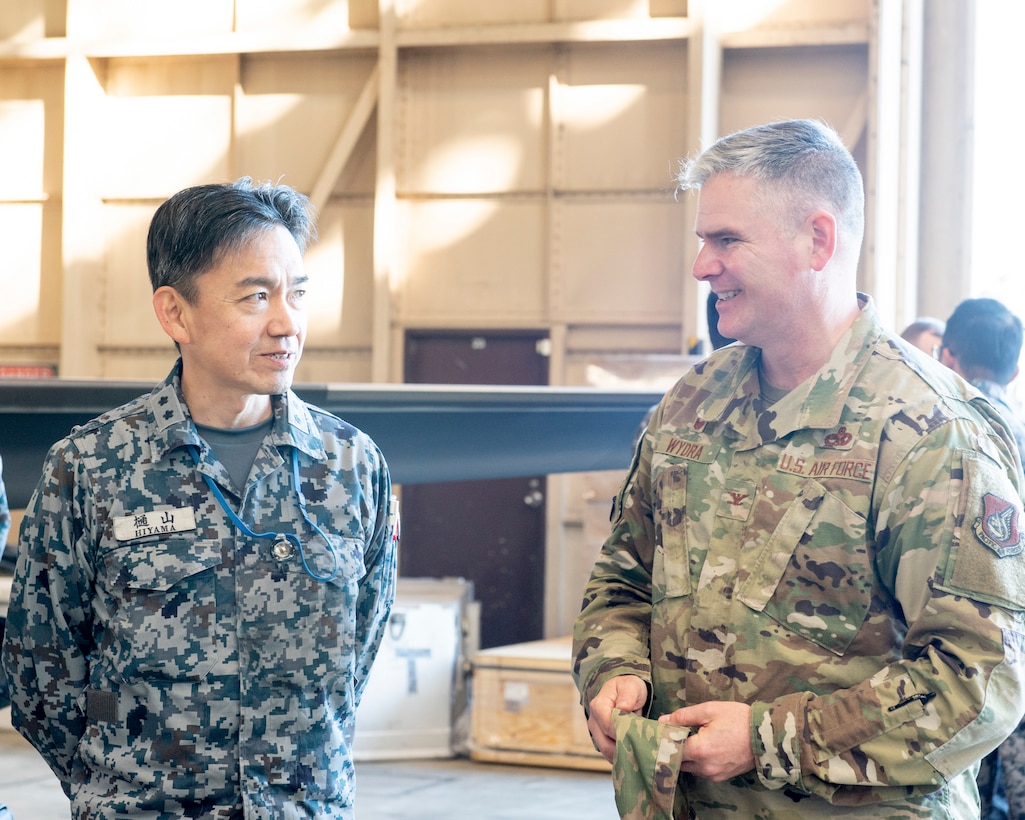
158	565
337	562
162	596
813	575
306	624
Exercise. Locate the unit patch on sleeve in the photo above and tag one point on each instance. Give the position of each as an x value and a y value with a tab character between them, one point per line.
998	526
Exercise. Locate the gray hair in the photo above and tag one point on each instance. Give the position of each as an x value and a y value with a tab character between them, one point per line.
805	164
193	230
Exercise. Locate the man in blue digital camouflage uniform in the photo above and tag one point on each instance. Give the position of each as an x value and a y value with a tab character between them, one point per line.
5	528
204	574
5	511
815	565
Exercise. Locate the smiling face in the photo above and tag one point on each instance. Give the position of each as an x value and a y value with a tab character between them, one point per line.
756	265
243	334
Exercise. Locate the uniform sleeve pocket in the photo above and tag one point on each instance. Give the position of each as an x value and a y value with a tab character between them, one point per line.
813	575
841	725
670	571
986	560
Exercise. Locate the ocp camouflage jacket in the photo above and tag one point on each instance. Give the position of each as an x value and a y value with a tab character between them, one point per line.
848	561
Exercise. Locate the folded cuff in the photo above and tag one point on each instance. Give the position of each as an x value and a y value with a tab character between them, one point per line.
646	768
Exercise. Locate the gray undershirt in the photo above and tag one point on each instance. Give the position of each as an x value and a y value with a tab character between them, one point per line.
236	447
770	393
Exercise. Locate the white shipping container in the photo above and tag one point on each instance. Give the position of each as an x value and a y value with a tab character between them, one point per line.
416	703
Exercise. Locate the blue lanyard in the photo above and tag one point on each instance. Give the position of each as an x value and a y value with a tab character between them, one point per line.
281	539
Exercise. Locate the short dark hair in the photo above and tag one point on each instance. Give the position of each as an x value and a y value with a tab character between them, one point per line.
923	324
192	230
986	337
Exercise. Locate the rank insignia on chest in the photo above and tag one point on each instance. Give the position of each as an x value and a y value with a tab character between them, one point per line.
737	500
998	526
839	440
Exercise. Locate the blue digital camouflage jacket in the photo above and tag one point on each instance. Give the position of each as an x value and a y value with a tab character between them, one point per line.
165	664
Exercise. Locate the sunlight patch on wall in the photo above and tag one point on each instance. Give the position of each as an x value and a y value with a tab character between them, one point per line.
325	265
270	15
272	110
22	136
483	163
592	106
21	317
999	174
741	15
440	227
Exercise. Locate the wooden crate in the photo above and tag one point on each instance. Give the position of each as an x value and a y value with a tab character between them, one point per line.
526	709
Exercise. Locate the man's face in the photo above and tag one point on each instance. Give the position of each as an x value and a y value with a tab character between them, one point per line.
247	326
754	263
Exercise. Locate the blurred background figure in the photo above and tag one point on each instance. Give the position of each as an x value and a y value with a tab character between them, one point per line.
714	336
982	343
925	333
712	314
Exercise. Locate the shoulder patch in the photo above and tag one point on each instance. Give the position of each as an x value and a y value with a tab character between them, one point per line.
986	560
998	526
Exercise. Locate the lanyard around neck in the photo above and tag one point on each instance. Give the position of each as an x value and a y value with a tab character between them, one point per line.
281	539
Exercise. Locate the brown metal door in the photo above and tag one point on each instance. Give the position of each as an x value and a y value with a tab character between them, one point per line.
490	532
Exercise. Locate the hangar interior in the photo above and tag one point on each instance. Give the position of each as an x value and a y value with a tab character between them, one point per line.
495	182
482	170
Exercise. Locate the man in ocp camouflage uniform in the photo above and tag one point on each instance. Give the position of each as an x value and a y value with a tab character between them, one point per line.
815	563
982	343
204	573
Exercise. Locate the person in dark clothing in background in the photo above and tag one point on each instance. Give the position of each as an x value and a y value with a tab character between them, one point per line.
982	344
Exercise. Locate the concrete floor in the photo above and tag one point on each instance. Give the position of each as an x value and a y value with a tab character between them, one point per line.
446	789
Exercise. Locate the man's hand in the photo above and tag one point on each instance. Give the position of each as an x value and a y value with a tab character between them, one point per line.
627	693
721	746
